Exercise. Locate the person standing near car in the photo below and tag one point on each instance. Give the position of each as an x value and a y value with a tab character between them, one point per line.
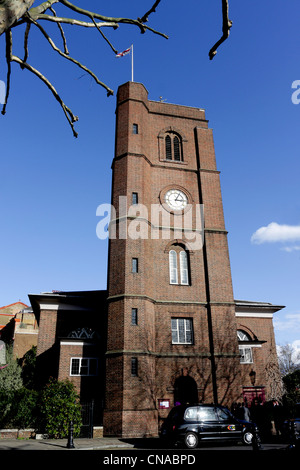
247	414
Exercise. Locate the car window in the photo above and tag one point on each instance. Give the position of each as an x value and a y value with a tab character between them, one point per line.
207	414
191	413
224	414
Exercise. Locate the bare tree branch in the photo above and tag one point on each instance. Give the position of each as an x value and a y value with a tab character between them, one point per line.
61	32
8	37
227	23
144	18
104	37
16	12
68	113
66	56
26	35
71	21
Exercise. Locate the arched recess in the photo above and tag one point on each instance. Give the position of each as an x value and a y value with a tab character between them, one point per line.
185	389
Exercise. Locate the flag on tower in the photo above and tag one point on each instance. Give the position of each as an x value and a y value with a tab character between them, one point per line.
121	54
127	51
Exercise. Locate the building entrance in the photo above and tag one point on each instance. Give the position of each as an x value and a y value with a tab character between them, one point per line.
253	393
185	389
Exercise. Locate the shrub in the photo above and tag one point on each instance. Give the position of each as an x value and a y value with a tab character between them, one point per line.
19	408
59	406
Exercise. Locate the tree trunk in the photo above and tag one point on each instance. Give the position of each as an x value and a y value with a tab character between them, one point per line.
11	11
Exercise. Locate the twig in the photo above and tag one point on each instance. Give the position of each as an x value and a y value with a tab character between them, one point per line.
227	23
91	14
61	32
68	113
144	18
29	15
26	35
104	37
8	38
68	57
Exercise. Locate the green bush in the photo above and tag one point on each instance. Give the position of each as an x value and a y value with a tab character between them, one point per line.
19	408
59	406
10	374
6	400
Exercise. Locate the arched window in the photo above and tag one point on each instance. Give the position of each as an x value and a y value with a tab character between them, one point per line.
173	267
173	147
243	336
179	267
246	356
84	333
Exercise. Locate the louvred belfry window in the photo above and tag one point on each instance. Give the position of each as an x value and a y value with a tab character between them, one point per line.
176	148
173	147
168	148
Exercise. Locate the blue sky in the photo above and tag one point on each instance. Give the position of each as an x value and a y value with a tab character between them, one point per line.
52	183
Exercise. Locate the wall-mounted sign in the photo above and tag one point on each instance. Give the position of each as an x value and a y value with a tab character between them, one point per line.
163	404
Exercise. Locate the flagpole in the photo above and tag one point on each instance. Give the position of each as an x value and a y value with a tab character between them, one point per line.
132	62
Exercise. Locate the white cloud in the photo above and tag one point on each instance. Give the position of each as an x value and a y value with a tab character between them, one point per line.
289	249
277	233
291	321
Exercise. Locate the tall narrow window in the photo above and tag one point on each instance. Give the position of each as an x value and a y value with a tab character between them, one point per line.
135	128
134	366
184	273
134	316
168	148
176	149
135	266
245	350
173	267
135	198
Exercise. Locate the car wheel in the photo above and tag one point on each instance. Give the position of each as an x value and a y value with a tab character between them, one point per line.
191	440
248	438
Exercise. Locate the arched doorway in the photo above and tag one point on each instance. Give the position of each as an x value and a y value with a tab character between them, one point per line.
185	389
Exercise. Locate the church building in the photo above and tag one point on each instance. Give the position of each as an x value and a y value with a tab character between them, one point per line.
168	329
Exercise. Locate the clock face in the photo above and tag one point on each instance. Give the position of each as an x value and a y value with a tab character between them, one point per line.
176	199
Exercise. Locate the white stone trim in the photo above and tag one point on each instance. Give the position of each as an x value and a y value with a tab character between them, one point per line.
74	343
254	314
60	307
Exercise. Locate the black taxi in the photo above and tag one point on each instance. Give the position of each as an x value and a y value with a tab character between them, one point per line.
193	424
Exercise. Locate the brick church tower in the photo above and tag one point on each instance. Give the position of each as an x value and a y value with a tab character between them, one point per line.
171	312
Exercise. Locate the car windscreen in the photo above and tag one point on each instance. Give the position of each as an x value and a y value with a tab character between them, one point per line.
224	414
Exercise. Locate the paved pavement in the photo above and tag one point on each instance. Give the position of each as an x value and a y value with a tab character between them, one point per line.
107	443
61	444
